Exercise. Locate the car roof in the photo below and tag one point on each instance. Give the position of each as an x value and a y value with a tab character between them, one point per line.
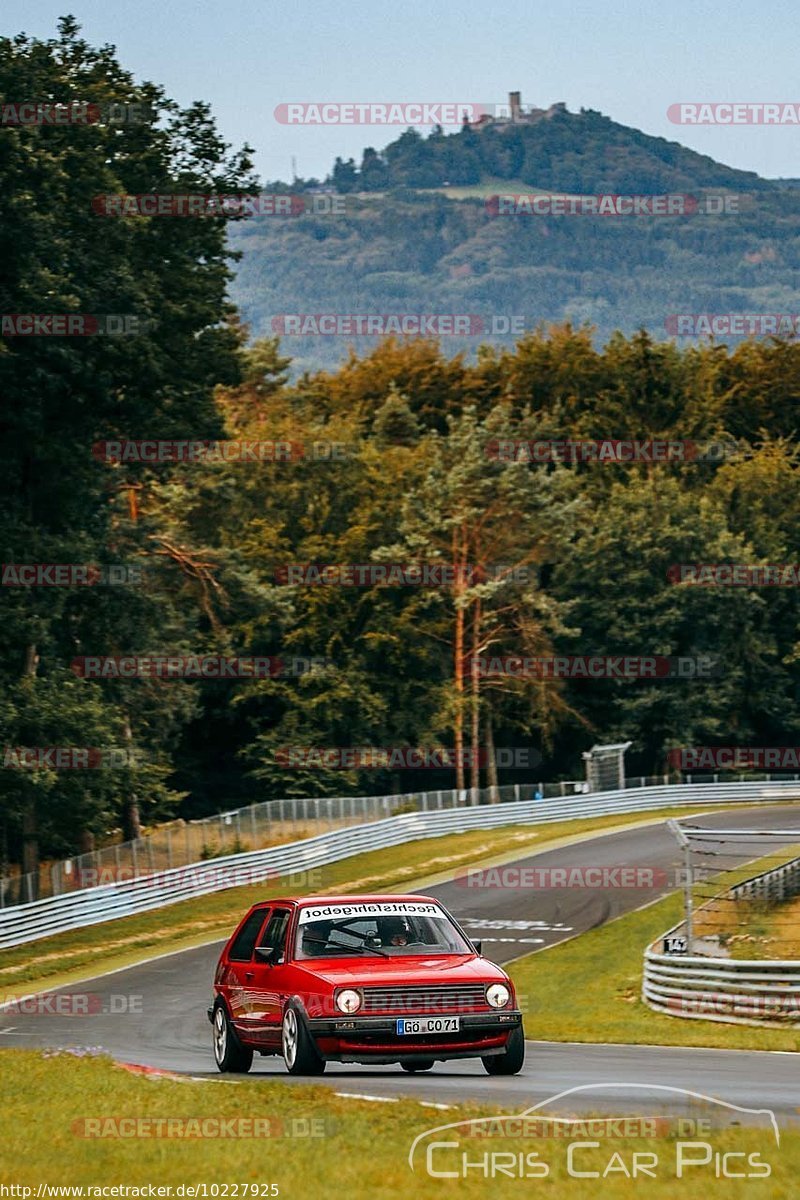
297	901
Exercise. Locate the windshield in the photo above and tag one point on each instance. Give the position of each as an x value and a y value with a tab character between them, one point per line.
386	934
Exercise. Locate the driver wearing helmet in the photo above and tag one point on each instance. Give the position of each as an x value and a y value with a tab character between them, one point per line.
394	931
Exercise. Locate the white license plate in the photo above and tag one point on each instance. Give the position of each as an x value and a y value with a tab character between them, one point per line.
412	1025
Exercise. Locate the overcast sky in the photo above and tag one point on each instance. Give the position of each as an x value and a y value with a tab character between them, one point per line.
629	60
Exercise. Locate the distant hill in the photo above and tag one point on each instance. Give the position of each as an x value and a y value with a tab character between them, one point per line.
418	236
553	149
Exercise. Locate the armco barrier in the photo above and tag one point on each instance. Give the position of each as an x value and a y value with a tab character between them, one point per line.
737	991
741	991
57	914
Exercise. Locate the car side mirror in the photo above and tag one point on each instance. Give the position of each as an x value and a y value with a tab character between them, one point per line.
265	954
478	946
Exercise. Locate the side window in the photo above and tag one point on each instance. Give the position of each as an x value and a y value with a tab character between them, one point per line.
244	943
275	933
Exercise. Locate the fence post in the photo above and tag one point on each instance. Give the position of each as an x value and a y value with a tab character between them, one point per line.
689	899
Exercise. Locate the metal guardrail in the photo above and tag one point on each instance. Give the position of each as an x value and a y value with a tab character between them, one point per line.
234	831
58	914
781	883
181	843
738	991
735	991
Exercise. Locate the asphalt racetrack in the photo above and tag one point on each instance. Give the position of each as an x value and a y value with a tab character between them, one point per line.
171	1030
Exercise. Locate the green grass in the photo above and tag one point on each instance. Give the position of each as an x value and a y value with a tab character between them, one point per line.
749	928
64	959
589	990
359	1149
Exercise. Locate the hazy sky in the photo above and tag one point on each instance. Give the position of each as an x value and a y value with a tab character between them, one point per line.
629	60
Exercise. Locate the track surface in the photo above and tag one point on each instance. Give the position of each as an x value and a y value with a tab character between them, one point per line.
170	1030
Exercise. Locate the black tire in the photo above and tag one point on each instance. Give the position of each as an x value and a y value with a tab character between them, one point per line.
229	1053
425	1065
512	1058
297	1045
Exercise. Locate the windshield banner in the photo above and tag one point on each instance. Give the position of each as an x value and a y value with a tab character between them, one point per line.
394	908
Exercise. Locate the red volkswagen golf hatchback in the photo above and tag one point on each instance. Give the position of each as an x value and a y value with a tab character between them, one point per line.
360	979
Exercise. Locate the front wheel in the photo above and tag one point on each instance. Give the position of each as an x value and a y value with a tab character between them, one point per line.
229	1053
512	1058
299	1052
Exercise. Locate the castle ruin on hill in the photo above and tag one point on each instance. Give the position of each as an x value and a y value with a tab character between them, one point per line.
514	114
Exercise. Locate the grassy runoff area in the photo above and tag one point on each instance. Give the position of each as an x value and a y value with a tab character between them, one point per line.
80	954
589	990
320	1142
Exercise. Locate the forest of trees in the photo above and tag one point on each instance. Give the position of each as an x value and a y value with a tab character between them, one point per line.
415	482
403	241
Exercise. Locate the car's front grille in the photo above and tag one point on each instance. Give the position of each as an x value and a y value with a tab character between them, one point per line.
441	998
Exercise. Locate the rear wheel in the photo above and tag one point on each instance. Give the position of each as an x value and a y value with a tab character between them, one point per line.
299	1052
229	1053
512	1058
425	1065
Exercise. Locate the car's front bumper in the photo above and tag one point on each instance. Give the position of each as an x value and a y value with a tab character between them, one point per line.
376	1040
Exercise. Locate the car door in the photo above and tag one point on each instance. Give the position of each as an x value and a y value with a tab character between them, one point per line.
268	986
239	974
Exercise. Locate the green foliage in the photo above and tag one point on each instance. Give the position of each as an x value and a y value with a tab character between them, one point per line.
583	550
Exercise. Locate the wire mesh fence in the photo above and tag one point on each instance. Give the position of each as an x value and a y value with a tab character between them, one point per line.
741	892
271	823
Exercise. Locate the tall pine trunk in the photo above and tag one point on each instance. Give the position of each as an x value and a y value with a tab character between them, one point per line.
30	815
475	768
131	817
458	667
491	760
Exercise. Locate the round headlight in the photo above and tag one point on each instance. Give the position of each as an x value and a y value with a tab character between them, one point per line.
348	1001
498	995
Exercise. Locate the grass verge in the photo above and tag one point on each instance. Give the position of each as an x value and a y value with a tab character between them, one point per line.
358	1148
589	990
64	959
